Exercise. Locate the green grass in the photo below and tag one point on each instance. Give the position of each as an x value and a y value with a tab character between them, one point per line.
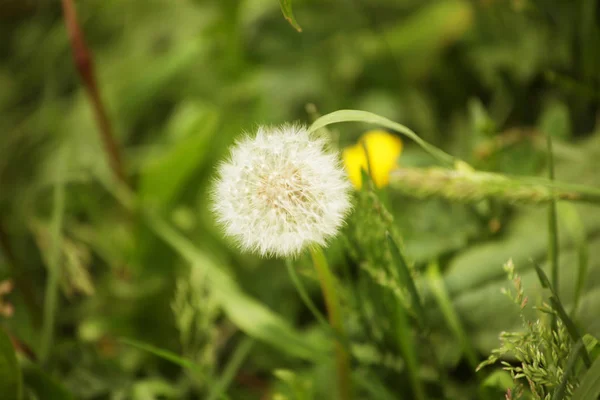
496	103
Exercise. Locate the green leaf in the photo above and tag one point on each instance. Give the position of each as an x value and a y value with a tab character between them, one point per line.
589	388
365	116
235	362
11	385
574	225
562	314
437	286
165	354
559	393
406	278
499	379
250	316
54	264
286	9
42	385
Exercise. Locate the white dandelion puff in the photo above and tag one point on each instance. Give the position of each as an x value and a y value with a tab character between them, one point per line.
281	191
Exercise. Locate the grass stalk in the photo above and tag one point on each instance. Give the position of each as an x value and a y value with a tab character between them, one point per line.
85	67
51	293
304	294
552	226
335	320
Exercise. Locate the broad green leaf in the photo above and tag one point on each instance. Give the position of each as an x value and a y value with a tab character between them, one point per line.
589	388
286	9
11	385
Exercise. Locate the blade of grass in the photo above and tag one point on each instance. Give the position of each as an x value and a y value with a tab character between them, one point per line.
304	295
552	226
424	324
406	279
286	9
559	393
51	293
166	355
562	313
589	388
569	214
364	116
436	284
235	362
11	380
335	320
408	349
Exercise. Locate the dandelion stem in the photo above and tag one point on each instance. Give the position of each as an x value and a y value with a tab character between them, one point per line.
335	320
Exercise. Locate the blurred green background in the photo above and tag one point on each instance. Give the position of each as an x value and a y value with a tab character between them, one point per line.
483	79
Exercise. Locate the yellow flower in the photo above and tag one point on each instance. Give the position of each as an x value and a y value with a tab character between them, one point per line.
383	151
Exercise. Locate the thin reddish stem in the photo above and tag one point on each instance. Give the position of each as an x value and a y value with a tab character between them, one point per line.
85	66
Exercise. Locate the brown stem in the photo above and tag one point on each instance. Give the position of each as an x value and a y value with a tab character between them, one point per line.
85	66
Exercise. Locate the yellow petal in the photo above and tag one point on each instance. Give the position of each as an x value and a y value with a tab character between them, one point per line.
383	150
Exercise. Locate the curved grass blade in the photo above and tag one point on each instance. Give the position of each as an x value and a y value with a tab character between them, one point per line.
164	354
286	9
304	295
406	279
589	388
365	116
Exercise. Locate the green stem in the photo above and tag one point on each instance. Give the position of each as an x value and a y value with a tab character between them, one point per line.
335	320
552	226
51	294
303	294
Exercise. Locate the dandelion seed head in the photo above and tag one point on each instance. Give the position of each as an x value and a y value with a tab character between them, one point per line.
280	191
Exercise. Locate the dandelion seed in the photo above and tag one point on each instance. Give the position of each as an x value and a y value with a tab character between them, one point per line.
281	191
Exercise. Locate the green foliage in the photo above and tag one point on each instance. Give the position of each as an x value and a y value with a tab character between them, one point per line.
590	384
11	381
476	85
